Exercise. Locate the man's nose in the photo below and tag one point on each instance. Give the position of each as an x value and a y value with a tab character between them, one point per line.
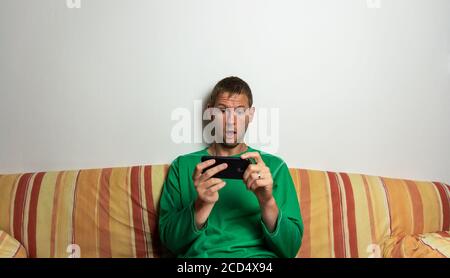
230	117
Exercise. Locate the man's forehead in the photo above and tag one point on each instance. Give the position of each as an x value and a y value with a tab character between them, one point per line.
232	100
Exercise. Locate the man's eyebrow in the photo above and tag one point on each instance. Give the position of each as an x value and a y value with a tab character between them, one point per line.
223	105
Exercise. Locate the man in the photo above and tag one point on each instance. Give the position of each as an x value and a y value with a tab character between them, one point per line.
258	216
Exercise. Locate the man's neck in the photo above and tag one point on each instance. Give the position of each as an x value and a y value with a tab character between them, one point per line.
220	150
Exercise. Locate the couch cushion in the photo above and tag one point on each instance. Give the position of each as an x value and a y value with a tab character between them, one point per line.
11	248
430	245
109	212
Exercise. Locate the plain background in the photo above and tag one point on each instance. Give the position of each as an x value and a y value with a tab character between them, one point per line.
361	86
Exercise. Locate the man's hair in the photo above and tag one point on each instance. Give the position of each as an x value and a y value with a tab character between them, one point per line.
232	85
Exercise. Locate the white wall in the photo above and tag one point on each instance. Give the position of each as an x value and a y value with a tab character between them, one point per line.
359	89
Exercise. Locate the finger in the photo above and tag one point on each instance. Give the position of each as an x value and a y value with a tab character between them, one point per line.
250	169
199	168
211	172
254	155
255	178
250	182
212	181
216	187
258	183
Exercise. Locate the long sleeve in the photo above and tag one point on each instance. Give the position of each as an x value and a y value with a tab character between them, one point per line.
286	239
176	222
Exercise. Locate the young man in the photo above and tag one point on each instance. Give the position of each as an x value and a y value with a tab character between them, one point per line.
258	216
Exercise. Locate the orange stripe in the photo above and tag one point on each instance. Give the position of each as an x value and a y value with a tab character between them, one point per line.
19	206
443	234
85	224
305	208
138	222
445	206
338	234
417	206
32	218
397	249
351	217
103	214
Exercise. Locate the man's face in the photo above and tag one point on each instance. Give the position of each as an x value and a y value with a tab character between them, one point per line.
236	115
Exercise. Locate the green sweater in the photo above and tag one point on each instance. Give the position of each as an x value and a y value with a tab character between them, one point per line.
234	227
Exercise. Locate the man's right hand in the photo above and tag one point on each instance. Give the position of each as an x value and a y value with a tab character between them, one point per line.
207	189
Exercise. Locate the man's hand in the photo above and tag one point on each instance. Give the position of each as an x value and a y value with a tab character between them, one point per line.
207	189
259	180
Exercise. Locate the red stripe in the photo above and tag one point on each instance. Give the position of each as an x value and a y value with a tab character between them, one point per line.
19	206
32	214
103	214
151	211
338	234
445	206
351	217
443	234
137	213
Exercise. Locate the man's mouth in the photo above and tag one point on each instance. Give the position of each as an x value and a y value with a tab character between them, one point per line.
230	133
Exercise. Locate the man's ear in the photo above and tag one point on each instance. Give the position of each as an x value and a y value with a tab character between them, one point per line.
251	113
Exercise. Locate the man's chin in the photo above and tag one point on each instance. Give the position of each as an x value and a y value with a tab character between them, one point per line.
230	145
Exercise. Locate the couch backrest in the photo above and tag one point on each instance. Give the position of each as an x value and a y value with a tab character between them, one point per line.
113	212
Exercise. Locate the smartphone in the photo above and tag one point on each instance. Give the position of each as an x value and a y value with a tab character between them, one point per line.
235	170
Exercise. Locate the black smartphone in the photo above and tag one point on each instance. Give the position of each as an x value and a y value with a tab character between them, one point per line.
235	170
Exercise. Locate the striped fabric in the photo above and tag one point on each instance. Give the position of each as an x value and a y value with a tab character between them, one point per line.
431	245
113	212
107	212
11	248
351	215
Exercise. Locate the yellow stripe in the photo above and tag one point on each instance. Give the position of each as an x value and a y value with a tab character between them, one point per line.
363	228
320	215
64	231
7	183
380	209
44	215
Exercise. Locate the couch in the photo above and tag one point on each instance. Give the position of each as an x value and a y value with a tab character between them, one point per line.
113	212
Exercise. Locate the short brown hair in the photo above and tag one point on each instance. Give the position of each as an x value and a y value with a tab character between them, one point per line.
231	85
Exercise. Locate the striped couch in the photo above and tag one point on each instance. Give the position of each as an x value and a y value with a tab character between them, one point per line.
113	212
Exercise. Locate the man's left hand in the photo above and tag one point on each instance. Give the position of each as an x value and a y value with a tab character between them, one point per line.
258	178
